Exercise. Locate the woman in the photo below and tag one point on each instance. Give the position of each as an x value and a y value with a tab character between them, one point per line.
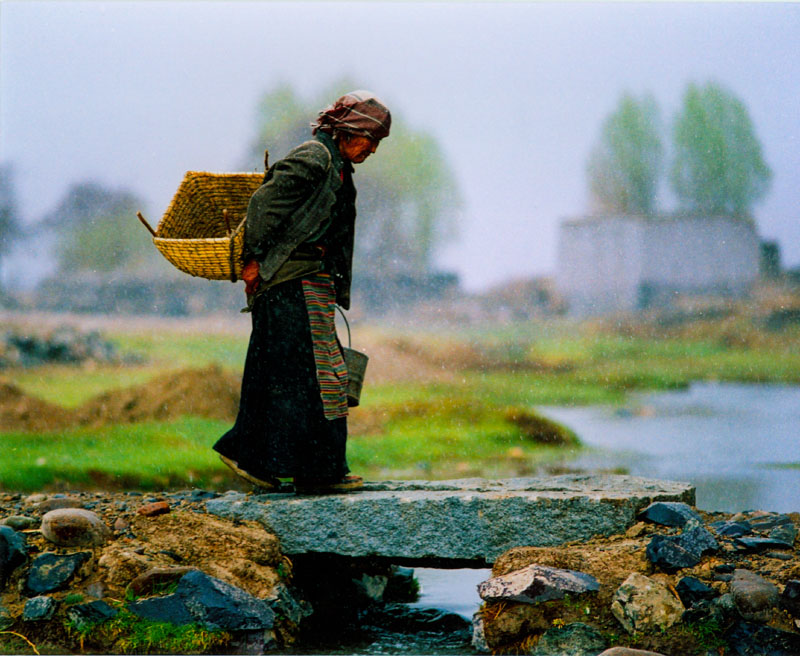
292	420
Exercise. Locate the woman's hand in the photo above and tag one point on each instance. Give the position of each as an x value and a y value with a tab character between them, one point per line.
251	277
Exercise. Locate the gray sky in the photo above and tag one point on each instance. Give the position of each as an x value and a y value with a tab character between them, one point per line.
133	94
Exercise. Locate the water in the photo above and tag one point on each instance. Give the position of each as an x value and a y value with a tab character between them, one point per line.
732	441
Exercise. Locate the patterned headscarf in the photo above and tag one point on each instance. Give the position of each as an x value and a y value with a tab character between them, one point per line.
357	112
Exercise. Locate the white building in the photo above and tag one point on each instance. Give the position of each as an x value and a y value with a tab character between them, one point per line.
612	263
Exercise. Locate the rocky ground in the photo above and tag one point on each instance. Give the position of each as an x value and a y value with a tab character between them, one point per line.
97	573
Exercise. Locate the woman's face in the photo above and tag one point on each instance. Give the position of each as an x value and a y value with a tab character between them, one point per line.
356	148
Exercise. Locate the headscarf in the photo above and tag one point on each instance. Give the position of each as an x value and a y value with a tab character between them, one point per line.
357	112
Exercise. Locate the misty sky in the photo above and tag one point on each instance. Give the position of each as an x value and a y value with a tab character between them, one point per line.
133	94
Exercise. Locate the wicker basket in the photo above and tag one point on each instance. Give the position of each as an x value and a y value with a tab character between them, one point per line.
202	231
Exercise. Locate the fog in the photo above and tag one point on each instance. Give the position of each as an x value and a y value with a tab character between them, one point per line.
133	94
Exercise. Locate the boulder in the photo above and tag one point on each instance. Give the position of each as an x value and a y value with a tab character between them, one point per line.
50	572
13	552
74	527
670	513
536	583
642	604
575	639
753	595
86	615
39	608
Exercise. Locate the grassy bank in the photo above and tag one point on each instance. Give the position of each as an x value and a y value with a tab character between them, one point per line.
470	415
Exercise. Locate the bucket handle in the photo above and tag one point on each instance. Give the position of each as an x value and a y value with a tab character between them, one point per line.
346	324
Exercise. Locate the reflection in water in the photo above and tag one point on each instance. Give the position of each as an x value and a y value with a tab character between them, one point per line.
726	439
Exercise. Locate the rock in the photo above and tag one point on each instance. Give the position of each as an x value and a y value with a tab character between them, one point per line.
685	550
153	509
5	618
96	590
39	608
20	522
536	583
208	601
750	639
285	604
766	522
75	527
56	503
478	642
371	587
732	529
786	533
13	552
402	585
466	520
755	544
575	639
628	651
670	513
154	580
86	615
790	598
253	642
120	524
50	572
692	591
754	596
642	604
405	619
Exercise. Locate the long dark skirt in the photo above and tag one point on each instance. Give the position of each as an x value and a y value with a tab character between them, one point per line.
281	430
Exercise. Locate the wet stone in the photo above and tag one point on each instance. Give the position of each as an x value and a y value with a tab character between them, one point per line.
576	639
39	608
95	612
670	513
692	591
753	595
404	619
790	598
20	522
536	583
74	527
50	572
13	552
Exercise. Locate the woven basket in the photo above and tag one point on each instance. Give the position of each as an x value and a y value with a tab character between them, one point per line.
202	231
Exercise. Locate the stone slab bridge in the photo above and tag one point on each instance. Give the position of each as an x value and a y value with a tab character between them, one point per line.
450	524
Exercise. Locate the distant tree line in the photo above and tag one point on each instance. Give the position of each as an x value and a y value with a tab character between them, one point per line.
717	166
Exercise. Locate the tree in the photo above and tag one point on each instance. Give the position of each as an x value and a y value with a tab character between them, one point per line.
625	166
718	166
407	194
96	230
10	228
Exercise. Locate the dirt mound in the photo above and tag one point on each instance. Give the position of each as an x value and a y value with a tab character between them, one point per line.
21	412
208	392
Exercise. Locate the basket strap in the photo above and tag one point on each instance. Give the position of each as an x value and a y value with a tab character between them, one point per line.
232	255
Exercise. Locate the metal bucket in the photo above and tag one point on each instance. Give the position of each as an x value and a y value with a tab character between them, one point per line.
356	363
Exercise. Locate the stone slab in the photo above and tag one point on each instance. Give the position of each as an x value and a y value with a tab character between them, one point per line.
452	522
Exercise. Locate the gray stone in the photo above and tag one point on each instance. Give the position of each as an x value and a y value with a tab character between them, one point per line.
685	550
371	587
732	529
536	583
765	522
790	598
479	642
750	639
39	608
59	502
285	604
85	615
75	527
20	522
692	591
753	595
576	639
50	572
473	520
784	533
642	604
760	544
208	601
13	552
670	513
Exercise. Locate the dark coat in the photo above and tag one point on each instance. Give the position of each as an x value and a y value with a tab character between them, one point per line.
307	197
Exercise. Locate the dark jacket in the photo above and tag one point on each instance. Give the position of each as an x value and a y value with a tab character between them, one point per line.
307	198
